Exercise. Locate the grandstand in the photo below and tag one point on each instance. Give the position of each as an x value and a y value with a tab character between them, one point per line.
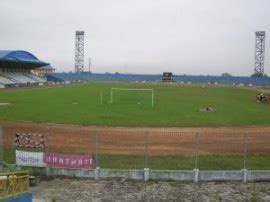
42	71
90	77
15	69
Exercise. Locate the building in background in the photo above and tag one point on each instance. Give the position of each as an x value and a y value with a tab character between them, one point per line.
42	71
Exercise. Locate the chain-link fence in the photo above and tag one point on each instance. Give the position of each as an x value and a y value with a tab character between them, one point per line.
38	146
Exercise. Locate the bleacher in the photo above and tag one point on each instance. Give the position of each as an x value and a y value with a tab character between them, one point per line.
89	77
37	79
20	78
15	69
4	80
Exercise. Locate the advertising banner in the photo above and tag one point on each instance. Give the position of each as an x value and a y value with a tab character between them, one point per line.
26	158
69	161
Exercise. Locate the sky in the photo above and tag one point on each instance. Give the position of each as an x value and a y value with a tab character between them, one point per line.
197	37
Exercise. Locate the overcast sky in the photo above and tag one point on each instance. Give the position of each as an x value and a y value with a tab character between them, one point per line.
140	36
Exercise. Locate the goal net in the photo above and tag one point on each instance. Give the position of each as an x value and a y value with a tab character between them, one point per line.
132	95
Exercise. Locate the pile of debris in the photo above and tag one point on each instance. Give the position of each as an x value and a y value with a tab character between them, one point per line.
207	109
262	98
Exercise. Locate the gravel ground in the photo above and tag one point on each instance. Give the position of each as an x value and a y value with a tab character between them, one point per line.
126	190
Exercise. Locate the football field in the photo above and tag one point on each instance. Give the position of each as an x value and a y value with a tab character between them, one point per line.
170	115
173	106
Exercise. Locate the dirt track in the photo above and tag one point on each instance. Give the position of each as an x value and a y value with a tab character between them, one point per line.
160	141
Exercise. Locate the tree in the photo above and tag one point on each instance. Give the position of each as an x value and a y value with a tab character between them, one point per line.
226	74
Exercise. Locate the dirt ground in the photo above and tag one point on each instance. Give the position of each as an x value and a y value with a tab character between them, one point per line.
159	141
6	104
124	190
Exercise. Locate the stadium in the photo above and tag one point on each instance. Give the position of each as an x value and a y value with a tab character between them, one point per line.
84	108
15	69
162	126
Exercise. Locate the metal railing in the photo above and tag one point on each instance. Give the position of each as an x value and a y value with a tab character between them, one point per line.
13	184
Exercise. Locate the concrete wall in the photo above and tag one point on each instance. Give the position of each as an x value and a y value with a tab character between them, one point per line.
181	175
172	175
70	172
147	174
128	174
205	176
258	176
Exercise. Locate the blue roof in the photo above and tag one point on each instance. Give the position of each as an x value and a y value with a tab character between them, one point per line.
20	56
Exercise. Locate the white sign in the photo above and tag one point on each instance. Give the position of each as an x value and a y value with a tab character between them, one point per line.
29	158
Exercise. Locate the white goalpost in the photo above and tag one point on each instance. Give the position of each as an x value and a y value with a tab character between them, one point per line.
133	89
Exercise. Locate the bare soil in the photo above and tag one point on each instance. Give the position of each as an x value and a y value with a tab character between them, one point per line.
160	141
124	190
6	104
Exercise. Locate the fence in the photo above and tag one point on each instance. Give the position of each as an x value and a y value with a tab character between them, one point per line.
137	148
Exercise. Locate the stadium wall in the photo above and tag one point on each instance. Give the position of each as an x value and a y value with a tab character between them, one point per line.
89	77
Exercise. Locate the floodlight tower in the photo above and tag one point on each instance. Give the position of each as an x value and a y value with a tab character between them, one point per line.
259	53
79	52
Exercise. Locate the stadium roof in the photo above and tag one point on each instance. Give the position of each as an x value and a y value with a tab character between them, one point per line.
19	56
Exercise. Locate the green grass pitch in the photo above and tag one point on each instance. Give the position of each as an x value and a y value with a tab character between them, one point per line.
174	106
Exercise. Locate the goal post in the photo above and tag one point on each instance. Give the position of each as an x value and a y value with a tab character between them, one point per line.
133	89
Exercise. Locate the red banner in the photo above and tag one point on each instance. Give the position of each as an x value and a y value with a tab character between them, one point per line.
69	161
